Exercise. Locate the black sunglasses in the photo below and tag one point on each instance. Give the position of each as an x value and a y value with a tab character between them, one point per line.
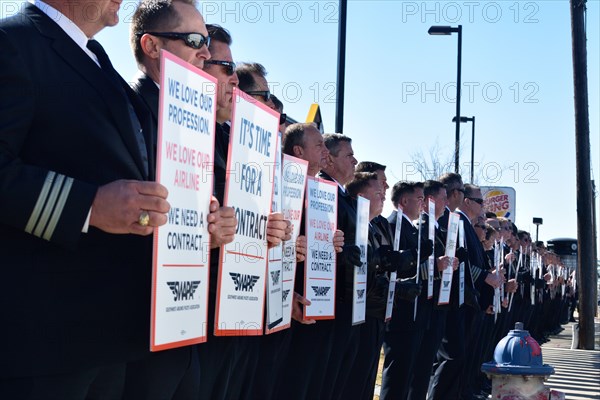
229	65
194	40
476	200
265	94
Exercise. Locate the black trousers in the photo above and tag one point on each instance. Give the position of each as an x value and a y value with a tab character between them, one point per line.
102	383
344	348
451	358
480	329
306	362
170	374
270	364
401	346
432	338
360	384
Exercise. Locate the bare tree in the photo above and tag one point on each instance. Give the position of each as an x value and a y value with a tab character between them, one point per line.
434	163
438	160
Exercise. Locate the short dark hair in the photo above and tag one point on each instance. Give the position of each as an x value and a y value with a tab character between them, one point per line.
489	231
470	189
218	34
491	214
333	140
245	73
522	234
451	181
277	103
403	188
153	15
360	181
293	136
432	188
369	166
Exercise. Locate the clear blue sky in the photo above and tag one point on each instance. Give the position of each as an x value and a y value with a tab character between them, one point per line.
517	74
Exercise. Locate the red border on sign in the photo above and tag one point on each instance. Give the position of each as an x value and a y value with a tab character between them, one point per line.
239	332
325	317
293	280
164	55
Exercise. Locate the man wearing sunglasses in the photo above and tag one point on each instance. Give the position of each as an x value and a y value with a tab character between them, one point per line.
253	81
178	27
175	26
451	353
485	281
225	361
272	349
222	67
283	120
434	329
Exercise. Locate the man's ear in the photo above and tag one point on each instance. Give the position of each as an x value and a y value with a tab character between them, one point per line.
298	151
150	46
402	202
329	160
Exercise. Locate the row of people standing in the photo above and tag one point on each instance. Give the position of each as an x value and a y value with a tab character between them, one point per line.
77	155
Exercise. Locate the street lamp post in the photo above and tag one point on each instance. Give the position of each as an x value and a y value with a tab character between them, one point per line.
537	222
448	30
472	119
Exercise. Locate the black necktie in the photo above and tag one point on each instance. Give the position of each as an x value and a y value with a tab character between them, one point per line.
115	78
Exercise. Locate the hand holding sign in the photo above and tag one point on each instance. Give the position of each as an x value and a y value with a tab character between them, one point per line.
279	229
301	248
133	197
338	241
511	286
297	309
221	224
444	262
493	280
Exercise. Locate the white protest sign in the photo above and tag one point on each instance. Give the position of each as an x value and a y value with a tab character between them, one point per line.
394	275
461	267
293	184
431	236
359	286
249	190
320	264
186	135
446	286
274	264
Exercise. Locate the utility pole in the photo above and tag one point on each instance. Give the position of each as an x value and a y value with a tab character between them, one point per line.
585	262
595	244
341	67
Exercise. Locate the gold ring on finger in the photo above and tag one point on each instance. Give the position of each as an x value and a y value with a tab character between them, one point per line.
144	218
